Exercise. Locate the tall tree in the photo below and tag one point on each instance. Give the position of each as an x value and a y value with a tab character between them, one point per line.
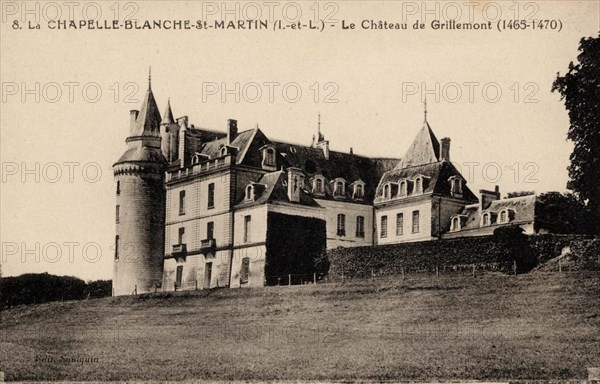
580	90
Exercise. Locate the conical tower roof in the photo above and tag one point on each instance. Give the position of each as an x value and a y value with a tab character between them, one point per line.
148	120
424	149
168	115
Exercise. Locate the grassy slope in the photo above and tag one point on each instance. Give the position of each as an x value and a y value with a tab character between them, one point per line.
492	327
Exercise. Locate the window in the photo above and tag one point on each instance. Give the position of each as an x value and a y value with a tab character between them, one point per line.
270	157
339	188
399	224
341	224
179	276
359	191
360	226
415	222
223	151
181	202
419	185
485	220
455	185
249	192
383	226
245	272
195	159
402	188
211	195
117	247
319	185
503	217
210	230
455	224
117	214
181	236
118	187
247	228
386	191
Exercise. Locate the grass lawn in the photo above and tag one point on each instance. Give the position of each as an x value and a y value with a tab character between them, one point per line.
535	326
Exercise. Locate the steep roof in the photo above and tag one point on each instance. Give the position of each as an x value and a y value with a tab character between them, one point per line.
437	174
168	115
148	120
276	191
424	149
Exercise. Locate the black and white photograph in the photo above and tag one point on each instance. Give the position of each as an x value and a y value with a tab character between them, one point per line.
305	191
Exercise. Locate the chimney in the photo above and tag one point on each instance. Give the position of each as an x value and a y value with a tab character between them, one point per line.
295	183
133	114
445	156
324	145
232	130
486	197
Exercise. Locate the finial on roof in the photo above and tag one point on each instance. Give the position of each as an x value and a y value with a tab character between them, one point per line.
425	107
150	77
320	136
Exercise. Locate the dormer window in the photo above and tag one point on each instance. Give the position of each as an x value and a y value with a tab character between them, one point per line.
250	192
486	219
403	191
456	186
269	160
195	159
455	224
506	216
223	151
386	192
319	185
359	190
339	188
418	185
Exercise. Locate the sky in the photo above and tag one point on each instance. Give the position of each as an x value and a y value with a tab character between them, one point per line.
66	96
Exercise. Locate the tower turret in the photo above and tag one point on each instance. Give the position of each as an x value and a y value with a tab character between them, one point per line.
169	132
140	210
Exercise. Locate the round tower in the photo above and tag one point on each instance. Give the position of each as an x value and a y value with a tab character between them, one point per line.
140	209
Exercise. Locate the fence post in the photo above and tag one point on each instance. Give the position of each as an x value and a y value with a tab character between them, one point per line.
314	278
437	272
403	276
290	279
133	291
559	265
515	267
343	277
196	283
473	270
278	280
372	275
175	286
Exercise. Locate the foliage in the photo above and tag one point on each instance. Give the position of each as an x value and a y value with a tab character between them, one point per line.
580	90
563	213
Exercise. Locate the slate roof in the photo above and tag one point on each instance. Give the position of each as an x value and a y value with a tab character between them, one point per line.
436	174
276	191
424	149
523	207
148	120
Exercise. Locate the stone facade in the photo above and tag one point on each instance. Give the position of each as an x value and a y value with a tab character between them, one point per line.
205	209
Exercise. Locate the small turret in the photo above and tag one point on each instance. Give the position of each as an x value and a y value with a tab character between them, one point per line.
169	132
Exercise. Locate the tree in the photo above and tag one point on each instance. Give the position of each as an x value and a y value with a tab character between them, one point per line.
562	213
580	90
513	246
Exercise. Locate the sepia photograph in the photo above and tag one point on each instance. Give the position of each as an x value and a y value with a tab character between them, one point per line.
305	191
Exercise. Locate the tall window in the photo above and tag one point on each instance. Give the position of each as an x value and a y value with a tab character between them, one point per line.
418	185
339	188
247	228
386	191
270	157
341	224
211	195
181	202
486	219
179	275
383	226
210	230
319	186
181	236
360	226
245	272
117	214
358	191
118	187
116	247
415	222
455	225
456	186
503	217
402	188
249	192
399	224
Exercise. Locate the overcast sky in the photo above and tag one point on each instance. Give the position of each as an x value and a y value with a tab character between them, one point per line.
374	81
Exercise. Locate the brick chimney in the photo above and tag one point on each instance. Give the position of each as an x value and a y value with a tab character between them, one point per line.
486	197
445	155
232	130
295	183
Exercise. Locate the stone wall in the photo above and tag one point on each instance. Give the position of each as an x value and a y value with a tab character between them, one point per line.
484	251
